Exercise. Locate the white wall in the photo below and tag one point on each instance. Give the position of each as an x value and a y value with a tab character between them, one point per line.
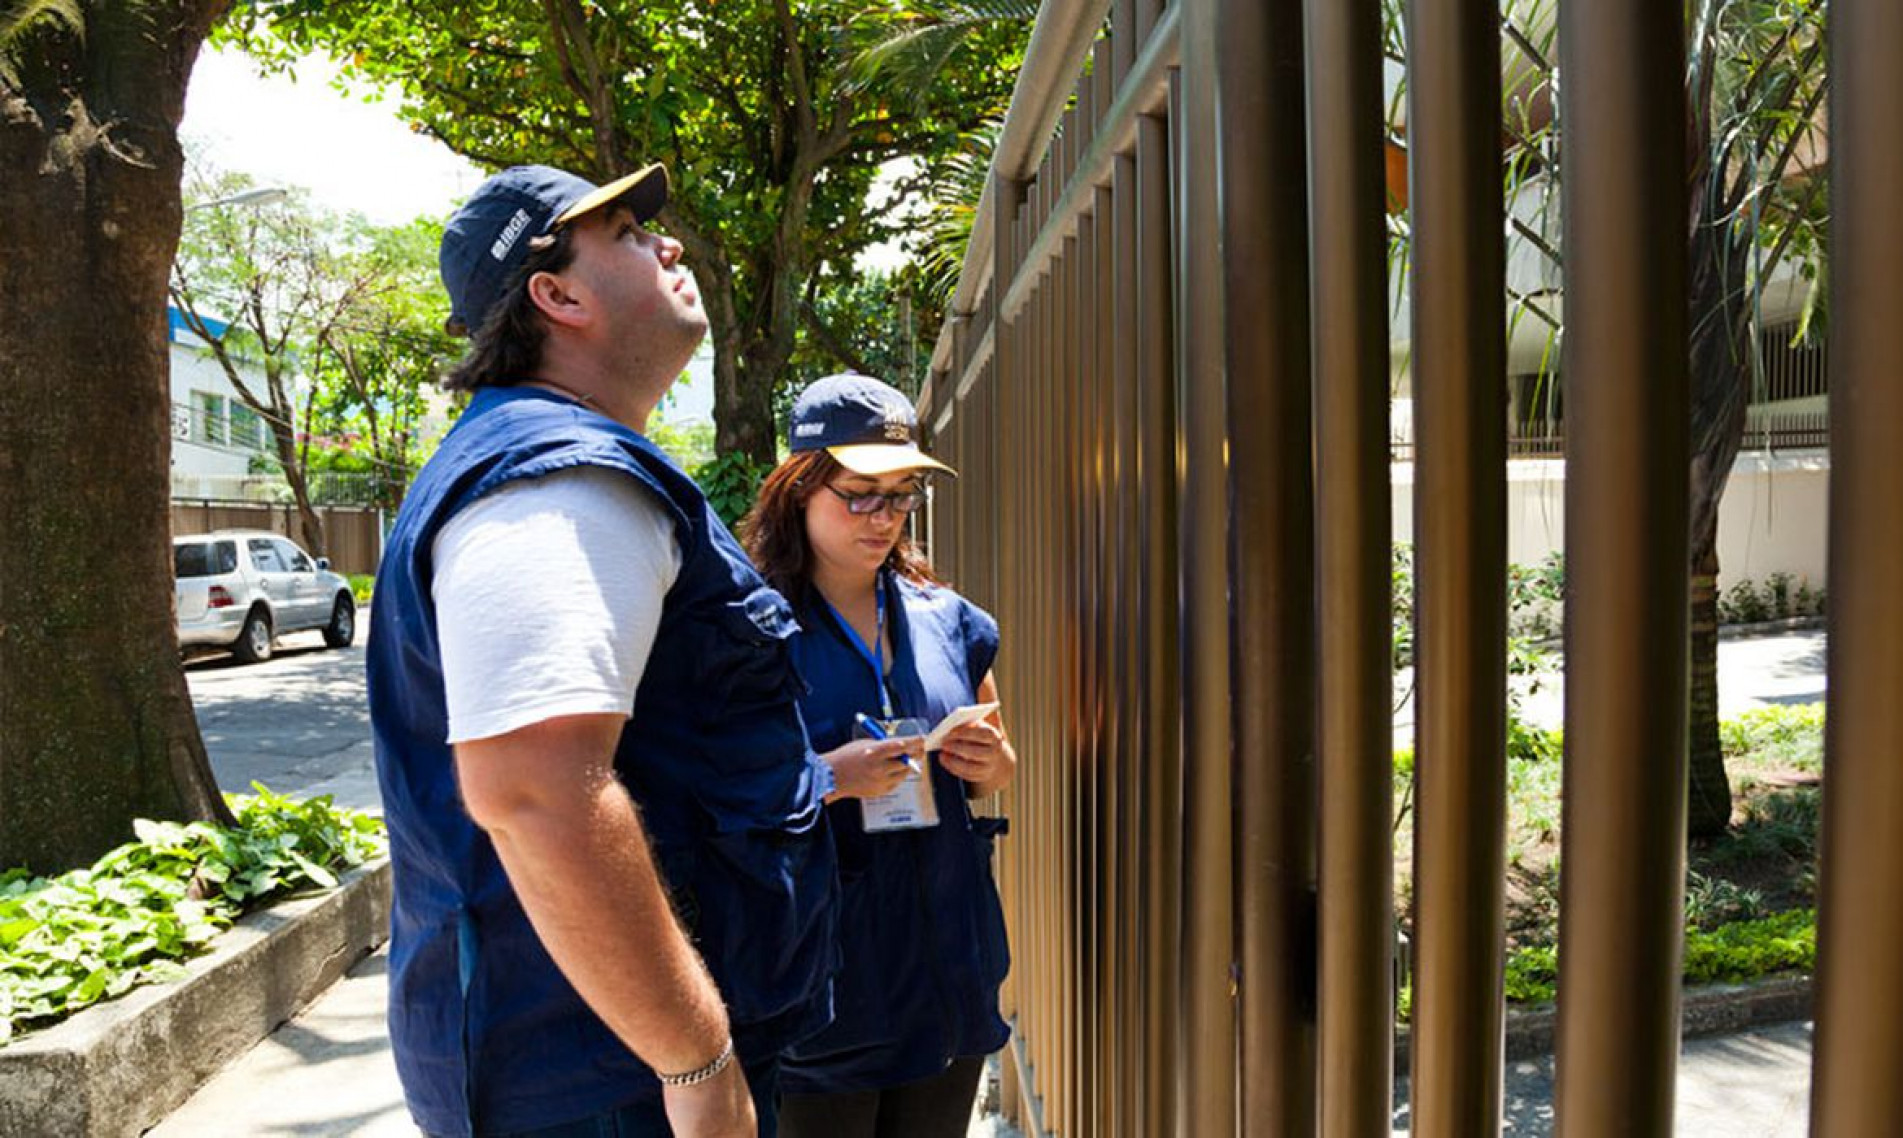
194	459
1772	518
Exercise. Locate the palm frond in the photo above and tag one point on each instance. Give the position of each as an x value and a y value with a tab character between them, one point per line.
953	208
912	50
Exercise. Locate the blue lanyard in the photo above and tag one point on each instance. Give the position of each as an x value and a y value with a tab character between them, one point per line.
875	655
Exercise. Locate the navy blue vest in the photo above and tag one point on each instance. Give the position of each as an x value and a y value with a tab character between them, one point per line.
921	933
488	1035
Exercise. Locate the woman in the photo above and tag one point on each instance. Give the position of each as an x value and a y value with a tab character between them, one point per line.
887	649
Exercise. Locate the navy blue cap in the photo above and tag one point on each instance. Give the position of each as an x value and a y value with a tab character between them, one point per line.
867	426
488	238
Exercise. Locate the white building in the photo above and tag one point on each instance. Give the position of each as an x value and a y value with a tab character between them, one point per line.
216	439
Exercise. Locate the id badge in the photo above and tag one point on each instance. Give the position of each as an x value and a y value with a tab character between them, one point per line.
911	805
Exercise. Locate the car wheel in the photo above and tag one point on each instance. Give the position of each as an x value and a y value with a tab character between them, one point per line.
342	628
254	642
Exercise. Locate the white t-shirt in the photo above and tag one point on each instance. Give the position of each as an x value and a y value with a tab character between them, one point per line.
548	595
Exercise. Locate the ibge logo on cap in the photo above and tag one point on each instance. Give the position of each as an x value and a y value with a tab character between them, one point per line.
510	233
896	430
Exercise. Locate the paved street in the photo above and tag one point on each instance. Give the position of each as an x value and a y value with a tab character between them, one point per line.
296	723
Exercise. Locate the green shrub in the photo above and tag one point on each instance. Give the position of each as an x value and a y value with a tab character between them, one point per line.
91	934
1780	596
1782	823
1746	950
361	586
1789	737
1532	974
1714	901
1732	953
1401	582
731	482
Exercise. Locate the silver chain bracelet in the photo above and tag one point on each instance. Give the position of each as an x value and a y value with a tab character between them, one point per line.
700	1075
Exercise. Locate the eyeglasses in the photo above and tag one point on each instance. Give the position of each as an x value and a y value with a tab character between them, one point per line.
904	501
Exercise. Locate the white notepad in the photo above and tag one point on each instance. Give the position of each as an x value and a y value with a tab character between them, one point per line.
954	720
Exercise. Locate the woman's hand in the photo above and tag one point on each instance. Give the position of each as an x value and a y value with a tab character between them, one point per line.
981	754
867	768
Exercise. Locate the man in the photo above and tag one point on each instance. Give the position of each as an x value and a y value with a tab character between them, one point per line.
612	871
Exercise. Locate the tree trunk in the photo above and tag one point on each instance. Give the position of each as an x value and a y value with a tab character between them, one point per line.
96	724
296	476
1720	389
743	377
743	409
1709	800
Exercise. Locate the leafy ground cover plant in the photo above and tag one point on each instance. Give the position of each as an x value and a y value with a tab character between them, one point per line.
1748	895
1731	953
141	910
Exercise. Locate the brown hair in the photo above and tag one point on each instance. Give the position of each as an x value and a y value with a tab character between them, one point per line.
507	349
774	530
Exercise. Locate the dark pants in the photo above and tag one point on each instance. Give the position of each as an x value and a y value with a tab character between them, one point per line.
649	1119
938	1107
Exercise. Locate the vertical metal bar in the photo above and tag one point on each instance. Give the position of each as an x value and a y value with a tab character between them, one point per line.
1207	1106
1264	245
1112	920
1160	743
1073	415
1124	41
1084	410
1348	270
1049	688
1856	1091
1125	617
1147	13
1628	582
1460	533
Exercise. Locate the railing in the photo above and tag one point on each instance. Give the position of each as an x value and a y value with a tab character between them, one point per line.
326	488
1165	383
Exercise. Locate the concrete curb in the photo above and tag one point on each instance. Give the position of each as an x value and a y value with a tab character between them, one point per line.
1713	1009
1762	628
120	1067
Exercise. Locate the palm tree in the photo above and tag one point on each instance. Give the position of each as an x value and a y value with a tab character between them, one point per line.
1757	81
908	49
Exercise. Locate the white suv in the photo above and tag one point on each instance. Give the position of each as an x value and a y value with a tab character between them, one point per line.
239	589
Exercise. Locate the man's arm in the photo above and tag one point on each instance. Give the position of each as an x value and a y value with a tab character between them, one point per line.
573	846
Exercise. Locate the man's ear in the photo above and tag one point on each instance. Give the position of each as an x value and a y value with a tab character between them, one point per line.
559	299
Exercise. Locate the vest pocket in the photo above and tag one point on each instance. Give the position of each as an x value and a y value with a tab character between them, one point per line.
994	949
748	665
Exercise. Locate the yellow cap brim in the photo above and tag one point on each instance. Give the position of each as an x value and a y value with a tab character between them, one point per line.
874	459
645	192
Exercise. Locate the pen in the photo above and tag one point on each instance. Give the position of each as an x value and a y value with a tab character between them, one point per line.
873	729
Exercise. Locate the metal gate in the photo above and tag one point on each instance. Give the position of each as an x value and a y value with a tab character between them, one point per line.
1165	379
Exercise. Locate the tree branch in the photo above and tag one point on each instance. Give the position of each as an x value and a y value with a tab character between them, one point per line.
834	345
796	71
569	26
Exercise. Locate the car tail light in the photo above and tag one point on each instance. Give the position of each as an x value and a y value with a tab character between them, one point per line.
219	597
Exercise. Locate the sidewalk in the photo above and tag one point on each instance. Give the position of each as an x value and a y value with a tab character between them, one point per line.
329	1073
1755	1084
298	725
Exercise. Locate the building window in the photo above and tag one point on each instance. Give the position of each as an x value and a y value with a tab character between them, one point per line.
247	428
208	419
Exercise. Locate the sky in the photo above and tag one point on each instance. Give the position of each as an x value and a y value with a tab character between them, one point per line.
299	130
